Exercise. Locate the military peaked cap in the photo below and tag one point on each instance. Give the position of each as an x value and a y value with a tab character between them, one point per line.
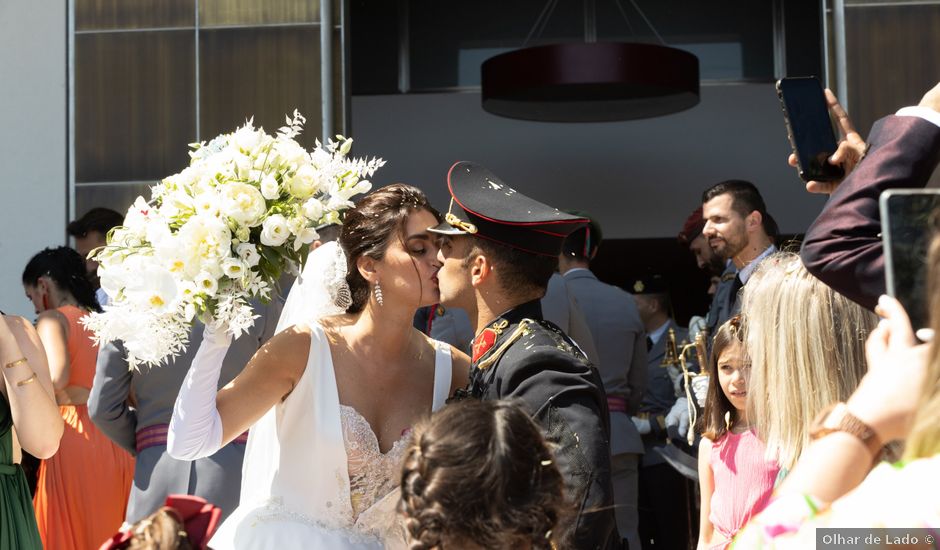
483	206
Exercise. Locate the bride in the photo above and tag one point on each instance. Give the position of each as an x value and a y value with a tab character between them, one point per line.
331	398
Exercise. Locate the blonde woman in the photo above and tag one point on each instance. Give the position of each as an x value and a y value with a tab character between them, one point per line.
899	399
807	349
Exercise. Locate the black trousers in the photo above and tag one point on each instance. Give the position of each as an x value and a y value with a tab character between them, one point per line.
667	516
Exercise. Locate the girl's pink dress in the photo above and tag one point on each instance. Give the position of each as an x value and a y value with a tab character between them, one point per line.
744	482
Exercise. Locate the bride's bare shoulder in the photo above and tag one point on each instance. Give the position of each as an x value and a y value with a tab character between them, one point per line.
286	351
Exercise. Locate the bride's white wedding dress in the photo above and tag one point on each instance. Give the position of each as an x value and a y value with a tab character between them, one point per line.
314	476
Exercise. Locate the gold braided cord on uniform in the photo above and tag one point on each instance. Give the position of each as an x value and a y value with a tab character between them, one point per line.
520	330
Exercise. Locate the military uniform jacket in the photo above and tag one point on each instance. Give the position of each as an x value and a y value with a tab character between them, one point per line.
521	357
660	393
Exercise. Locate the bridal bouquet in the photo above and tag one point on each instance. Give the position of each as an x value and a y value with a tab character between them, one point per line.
219	234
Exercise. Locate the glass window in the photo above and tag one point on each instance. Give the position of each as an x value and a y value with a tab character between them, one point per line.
447	41
134	104
252	12
133	14
261	72
116	196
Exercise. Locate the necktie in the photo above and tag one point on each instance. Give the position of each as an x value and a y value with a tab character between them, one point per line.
735	288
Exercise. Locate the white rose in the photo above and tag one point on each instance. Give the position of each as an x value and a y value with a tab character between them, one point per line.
291	153
313	209
202	243
246	138
274	230
233	268
243	203
248	253
207	284
270	188
304	183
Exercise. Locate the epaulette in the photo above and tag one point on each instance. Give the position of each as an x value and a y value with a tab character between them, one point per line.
521	329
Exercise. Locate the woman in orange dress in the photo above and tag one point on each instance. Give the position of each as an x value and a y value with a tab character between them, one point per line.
82	490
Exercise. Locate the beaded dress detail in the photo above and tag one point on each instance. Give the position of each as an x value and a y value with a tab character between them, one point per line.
372	473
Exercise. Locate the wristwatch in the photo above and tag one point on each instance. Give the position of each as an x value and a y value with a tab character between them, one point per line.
837	418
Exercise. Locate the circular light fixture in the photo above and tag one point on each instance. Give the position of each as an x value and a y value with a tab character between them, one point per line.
590	82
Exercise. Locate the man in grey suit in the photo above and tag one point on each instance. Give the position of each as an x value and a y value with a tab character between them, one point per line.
133	408
663	496
619	336
561	307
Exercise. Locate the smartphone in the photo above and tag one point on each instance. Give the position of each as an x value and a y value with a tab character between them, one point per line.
809	128
908	219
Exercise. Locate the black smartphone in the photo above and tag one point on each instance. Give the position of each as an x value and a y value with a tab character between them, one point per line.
908	217
809	127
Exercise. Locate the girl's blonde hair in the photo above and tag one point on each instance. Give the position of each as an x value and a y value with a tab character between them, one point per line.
806	343
924	440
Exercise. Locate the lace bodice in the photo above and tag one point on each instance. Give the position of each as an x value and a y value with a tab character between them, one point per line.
372	473
314	474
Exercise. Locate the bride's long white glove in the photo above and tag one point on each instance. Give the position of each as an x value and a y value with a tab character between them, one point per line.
196	428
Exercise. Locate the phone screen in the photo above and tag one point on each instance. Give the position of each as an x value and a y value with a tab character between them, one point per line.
810	128
908	217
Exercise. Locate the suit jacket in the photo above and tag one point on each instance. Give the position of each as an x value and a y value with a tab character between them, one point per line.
561	308
620	338
843	246
660	393
216	478
532	361
726	303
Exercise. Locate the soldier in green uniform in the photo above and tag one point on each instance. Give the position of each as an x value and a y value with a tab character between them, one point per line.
498	249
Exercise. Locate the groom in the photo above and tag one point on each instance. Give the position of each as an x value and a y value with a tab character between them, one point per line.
498	250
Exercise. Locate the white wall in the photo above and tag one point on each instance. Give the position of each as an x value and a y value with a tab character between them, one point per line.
640	178
32	139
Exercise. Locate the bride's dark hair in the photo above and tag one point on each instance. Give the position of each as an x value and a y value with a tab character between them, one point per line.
368	229
481	472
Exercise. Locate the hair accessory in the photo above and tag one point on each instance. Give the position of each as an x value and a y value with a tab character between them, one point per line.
12	364
378	294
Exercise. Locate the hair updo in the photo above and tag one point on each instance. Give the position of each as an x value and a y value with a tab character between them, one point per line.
368	229
481	472
66	268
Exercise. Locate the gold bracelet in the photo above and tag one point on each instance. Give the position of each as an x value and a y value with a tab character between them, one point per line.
12	364
27	381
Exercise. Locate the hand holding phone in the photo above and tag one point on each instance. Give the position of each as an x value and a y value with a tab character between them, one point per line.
809	128
908	218
850	151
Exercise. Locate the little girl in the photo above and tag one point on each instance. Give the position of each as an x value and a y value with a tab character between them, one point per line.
480	475
736	480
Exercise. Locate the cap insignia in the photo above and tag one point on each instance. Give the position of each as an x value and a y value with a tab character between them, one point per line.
639	286
457	222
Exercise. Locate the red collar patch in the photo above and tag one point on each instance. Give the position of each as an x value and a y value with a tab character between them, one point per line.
483	343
